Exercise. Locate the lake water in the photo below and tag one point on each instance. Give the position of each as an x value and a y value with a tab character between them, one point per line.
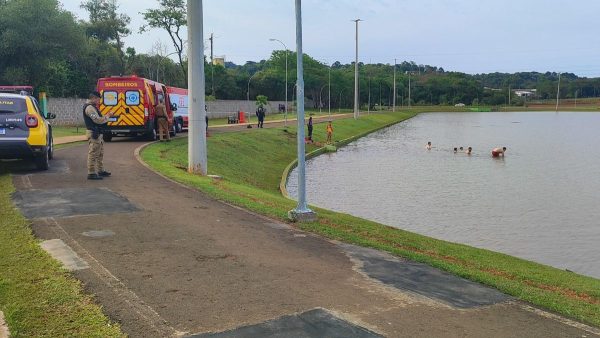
541	202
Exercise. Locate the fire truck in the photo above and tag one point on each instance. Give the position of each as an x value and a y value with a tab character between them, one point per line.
133	102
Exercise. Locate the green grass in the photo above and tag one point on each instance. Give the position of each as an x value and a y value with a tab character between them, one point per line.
251	164
60	131
38	297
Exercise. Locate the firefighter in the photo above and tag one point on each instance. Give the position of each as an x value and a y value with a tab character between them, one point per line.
93	123
163	123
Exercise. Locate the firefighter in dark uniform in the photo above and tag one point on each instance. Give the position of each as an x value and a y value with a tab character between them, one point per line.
93	123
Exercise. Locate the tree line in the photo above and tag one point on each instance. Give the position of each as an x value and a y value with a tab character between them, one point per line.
43	45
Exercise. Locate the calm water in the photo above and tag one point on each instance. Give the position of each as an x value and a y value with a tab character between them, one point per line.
541	202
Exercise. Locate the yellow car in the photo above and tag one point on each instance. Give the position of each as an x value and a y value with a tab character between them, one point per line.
24	131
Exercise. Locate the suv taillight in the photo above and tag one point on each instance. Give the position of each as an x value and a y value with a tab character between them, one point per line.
31	121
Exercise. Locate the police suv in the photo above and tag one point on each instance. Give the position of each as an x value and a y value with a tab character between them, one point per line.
24	131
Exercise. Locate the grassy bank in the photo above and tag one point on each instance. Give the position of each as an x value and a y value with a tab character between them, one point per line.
252	162
39	298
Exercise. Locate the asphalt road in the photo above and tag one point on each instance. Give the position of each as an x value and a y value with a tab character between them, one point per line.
164	260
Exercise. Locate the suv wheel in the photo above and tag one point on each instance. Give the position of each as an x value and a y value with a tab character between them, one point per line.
42	162
107	137
179	126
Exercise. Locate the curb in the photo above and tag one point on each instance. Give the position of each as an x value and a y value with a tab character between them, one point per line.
286	172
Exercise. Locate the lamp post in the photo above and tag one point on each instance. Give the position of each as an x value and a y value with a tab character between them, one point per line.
197	161
394	102
301	213
340	102
248	95
320	98
356	72
286	80
329	85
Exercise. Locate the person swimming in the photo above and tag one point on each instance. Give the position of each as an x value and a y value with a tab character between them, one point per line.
428	146
455	150
497	152
469	150
461	148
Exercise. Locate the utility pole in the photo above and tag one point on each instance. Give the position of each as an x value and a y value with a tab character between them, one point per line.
408	89
197	161
212	66
557	92
356	103
302	213
394	102
286	80
369	100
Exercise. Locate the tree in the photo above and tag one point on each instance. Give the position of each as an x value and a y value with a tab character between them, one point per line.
171	16
39	43
107	25
261	100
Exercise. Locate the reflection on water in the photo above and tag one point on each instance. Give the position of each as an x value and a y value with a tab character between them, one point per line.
541	202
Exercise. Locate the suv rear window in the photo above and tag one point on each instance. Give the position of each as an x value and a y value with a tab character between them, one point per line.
12	105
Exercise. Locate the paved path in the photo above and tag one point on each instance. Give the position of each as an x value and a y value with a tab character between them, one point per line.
164	260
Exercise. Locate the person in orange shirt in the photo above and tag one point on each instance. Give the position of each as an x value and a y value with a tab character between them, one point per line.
329	132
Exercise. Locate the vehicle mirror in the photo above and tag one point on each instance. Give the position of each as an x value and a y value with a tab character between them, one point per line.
50	116
173	107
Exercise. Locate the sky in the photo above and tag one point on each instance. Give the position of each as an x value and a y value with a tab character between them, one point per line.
470	36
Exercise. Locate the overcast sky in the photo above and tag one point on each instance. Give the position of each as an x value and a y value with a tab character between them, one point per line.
471	36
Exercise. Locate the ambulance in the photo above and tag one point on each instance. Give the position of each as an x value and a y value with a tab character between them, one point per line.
133	102
179	98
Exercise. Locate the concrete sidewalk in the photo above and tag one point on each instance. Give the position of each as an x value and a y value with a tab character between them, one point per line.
165	260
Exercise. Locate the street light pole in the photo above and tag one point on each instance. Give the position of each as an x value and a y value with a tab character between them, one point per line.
557	92
340	103
248	95
302	213
320	97
197	161
286	81
329	99
394	102
356	73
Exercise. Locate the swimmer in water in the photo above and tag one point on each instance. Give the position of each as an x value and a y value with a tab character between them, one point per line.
469	150
461	148
455	150
428	146
497	152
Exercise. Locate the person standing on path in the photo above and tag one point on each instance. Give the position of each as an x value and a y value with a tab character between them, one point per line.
163	123
260	113
93	123
329	132
310	128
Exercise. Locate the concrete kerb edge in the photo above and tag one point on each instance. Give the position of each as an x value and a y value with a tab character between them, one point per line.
4	331
286	172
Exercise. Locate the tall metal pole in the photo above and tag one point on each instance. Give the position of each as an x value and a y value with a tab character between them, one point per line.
302	213
286	80
409	89
394	102
329	99
212	66
356	73
369	101
197	161
557	92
